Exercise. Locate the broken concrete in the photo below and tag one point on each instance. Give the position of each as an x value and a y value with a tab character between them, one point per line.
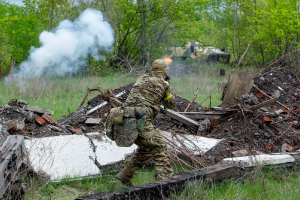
259	160
197	144
73	156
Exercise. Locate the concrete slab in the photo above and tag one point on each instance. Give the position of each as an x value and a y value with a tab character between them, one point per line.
72	155
198	144
259	160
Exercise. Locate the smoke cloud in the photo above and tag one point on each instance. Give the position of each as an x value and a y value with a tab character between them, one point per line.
64	49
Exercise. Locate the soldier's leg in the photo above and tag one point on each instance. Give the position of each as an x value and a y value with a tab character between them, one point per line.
153	142
140	157
162	159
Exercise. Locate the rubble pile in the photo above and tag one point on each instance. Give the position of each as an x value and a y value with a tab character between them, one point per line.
270	128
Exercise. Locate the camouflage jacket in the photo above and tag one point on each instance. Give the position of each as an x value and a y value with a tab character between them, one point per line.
150	90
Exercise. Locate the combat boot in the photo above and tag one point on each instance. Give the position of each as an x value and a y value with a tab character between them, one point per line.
125	178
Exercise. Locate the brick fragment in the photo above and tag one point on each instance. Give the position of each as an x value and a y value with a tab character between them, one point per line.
239	153
267	119
41	121
76	129
269	146
48	118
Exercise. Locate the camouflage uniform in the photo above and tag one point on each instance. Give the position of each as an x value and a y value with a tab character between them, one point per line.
146	96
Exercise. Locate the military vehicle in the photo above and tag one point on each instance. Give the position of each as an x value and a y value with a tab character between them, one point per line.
196	51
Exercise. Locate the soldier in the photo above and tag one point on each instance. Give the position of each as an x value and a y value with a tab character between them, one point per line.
146	96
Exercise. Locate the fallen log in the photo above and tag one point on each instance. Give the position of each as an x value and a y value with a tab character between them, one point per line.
167	187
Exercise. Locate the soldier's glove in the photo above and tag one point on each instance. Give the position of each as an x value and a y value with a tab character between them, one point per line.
167	78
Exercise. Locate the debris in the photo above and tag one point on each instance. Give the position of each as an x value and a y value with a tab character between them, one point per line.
41	121
259	160
181	118
239	153
69	155
192	100
93	121
285	147
267	119
102	104
204	115
3	133
204	127
38	110
12	153
239	83
249	99
48	118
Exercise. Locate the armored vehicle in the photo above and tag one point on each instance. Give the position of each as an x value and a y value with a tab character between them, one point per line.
196	51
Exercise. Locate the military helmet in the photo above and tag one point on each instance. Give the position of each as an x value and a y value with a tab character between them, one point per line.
160	66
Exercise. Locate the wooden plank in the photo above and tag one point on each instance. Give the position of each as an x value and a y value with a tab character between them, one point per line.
93	121
12	154
38	110
167	187
179	117
256	107
239	83
203	115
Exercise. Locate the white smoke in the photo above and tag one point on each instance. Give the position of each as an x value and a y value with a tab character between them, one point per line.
64	49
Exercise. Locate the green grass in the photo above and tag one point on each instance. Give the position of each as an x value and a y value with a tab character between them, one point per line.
70	189
259	184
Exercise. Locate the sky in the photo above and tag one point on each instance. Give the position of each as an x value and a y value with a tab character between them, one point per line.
18	2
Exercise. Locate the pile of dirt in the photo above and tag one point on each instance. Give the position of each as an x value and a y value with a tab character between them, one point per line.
268	128
286	82
77	118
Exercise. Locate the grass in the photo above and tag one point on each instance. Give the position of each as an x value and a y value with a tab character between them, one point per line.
68	189
259	184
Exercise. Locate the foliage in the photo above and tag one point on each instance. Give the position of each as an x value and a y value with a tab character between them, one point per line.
144	29
18	32
270	27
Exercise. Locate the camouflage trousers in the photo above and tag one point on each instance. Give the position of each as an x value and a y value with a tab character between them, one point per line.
150	146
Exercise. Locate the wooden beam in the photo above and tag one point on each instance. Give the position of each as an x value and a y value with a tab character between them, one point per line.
203	115
12	154
183	119
167	187
38	110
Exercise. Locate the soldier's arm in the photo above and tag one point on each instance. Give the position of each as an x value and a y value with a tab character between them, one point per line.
169	99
